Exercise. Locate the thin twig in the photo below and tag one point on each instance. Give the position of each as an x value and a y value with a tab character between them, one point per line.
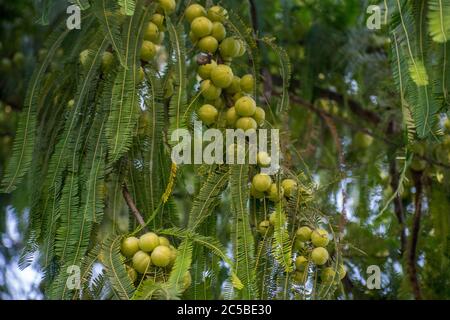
130	202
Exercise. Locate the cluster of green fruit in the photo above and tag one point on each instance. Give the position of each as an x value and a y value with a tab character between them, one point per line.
149	253
263	186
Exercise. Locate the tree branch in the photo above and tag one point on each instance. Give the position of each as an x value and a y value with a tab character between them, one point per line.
130	202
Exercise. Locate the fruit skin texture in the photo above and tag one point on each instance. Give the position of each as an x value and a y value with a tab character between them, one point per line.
363	140
201	27
107	61
289	186
319	256
132	274
151	33
148	242
299	276
274	194
342	272
208	114
163	241
141	262
222	76
129	246
187	280
231	117
262	182
263	226
209	90
148	51
303	234
204	71
245	107
218	31
328	275
161	256
208	44
246	123
301	263
158	19
259	116
141	74
217	13
247	83
319	238
229	48
194	11
168	6
263	159
235	86
418	165
255	193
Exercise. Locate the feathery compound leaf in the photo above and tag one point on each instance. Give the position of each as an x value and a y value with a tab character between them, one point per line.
115	269
282	249
439	20
83	4
181	267
418	73
127	6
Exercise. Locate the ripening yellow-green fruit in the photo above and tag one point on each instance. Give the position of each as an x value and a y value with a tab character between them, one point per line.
107	61
229	48
18	58
187	280
219	103
299	245
148	51
148	242
168	6
328	275
222	76
262	182
235	86
194	11
141	262
231	117
129	246
193	37
163	241
201	27
319	256
208	44
342	272
218	31
151	32
208	114
263	159
70	104
209	90
247	83
141	74
275	194
84	57
160	39
242	49
158	19
319	238
245	107
418	164
301	263
362	140
217	13
161	256
255	193
204	71
289	187
259	116
173	254
303	234
246	123
263	226
300	276
237	96
132	274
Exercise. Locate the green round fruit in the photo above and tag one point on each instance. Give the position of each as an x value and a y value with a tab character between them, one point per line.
160	39
173	254
319	238
259	116
242	49
209	90
148	51
222	76
161	256
272	218
237	96
245	107
418	165
219	103
158	19
218	31
193	37
148	241
303	234
84	57
264	226
229	48
247	83
194	11
201	27
301	263
231	117
141	74
235	86
255	193
163	241
275	194
363	140
168	6
132	274
129	246
204	71
262	182
342	271
246	123
263	159
70	104
18	58
208	114
208	44
151	32
299	276
141	262
328	275
299	245
107	61
319	256
217	13
289	187
187	280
